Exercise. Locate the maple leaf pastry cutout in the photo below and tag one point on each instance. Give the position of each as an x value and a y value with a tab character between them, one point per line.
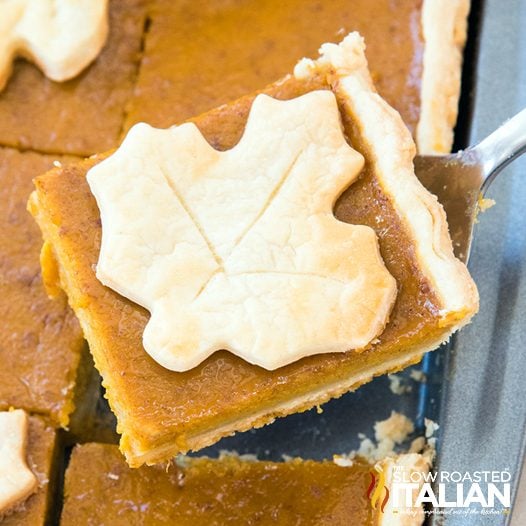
61	36
240	250
17	481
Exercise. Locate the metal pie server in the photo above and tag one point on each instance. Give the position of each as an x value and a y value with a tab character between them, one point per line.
461	179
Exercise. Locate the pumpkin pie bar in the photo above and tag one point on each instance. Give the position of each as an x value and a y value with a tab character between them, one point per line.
39	114
38	448
41	341
100	488
162	412
198	55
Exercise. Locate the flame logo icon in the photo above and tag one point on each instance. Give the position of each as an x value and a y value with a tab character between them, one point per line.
376	488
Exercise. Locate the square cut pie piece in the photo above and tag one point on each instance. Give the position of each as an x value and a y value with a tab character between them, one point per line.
101	489
161	412
39	114
41	342
226	49
42	458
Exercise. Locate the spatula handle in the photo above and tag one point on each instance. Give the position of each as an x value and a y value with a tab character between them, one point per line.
501	147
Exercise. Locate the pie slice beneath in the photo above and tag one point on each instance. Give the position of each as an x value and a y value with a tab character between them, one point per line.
229	48
161	412
100	488
39	114
41	342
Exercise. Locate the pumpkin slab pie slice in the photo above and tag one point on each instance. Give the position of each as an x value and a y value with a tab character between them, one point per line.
101	488
37	113
41	342
345	271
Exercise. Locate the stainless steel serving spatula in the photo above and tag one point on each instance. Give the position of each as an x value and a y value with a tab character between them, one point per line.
460	180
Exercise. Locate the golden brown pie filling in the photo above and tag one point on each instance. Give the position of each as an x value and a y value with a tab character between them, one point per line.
201	54
40	340
100	487
58	118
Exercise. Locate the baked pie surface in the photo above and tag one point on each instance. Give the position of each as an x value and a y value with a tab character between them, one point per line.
56	118
40	339
100	487
161	413
230	48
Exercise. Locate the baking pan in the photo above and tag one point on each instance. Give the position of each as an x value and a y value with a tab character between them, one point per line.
483	406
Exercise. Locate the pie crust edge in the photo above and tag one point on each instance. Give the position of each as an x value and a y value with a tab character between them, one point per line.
392	149
444	30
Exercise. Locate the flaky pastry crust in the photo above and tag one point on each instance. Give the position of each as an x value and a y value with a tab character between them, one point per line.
444	29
